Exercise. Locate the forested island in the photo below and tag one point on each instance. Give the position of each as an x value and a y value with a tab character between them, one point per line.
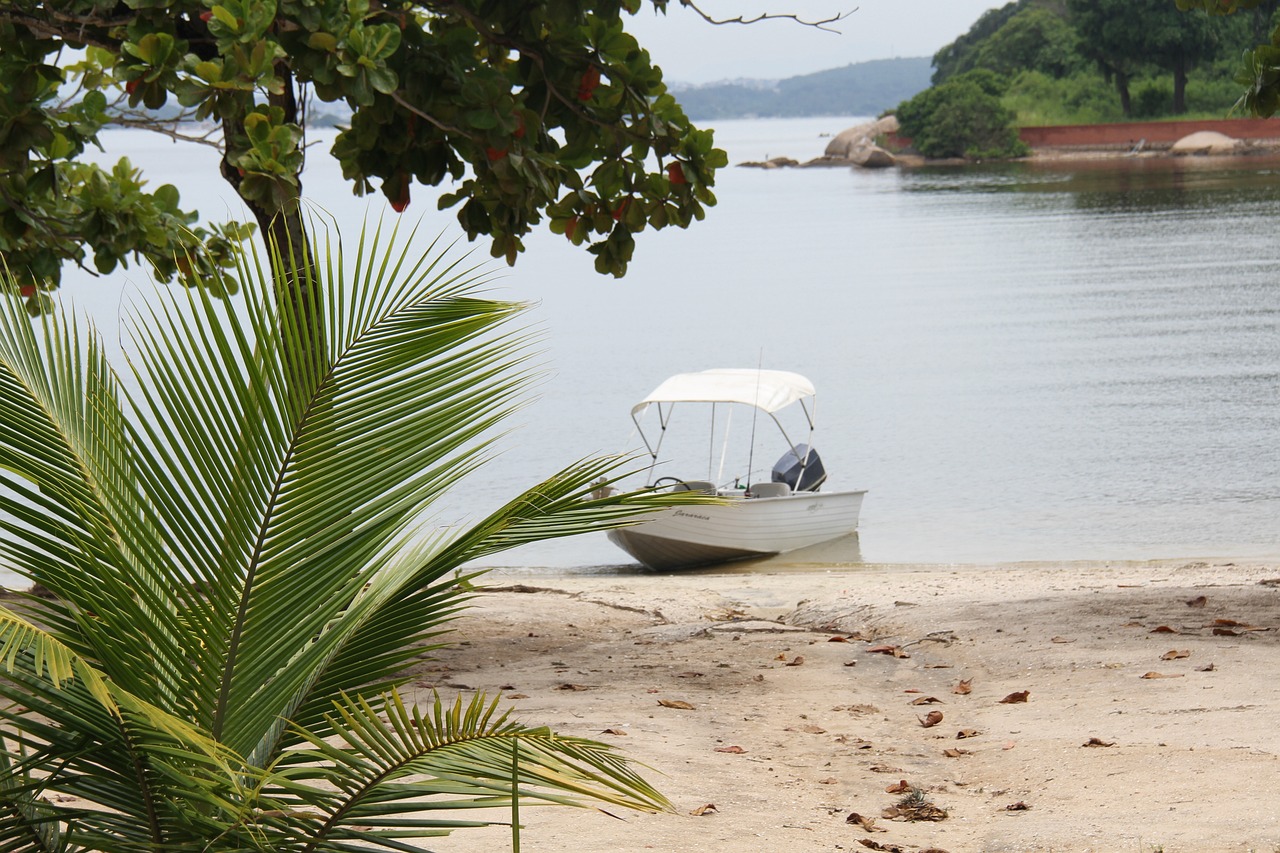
1031	63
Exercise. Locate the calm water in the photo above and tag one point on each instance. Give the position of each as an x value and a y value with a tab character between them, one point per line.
1017	363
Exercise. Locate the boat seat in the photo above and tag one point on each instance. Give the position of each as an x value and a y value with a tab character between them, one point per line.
769	490
695	486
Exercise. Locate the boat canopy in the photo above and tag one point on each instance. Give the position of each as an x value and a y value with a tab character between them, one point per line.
767	390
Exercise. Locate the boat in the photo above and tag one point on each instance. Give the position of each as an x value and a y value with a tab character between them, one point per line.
754	516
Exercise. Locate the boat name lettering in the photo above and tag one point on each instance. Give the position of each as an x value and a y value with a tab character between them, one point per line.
682	514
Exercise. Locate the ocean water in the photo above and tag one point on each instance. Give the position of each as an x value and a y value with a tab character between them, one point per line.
1018	362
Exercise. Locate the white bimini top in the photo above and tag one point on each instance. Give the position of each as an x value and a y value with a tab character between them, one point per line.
767	390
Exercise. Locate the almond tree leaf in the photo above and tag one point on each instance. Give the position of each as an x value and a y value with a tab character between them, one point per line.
1062	640
963	688
1019	806
709	808
1014	698
898	787
967	733
618	732
798	661
732	750
1225	632
955	753
1176	654
1095	742
1209	667
678	704
927	700
1160	675
1163	629
1198	601
931	719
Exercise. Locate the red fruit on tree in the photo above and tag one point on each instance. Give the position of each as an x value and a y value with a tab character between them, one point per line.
401	199
132	85
27	290
621	210
587	86
495	153
206	16
675	174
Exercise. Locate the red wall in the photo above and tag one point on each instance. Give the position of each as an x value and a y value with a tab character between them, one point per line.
1154	132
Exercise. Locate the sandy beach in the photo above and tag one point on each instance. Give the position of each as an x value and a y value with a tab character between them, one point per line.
1059	707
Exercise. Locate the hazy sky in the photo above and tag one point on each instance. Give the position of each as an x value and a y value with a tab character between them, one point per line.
690	50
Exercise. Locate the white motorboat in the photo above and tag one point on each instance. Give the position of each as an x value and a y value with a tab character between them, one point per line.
779	512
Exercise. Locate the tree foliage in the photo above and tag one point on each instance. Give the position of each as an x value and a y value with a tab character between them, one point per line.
1260	72
962	117
238	581
1131	46
523	111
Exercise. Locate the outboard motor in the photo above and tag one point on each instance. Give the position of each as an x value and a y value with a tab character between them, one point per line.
801	474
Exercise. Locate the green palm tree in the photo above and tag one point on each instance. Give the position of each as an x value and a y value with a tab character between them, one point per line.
240	574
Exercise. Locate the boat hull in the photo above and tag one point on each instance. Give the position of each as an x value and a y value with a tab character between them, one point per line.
684	537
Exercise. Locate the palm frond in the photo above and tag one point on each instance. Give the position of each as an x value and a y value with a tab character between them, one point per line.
393	759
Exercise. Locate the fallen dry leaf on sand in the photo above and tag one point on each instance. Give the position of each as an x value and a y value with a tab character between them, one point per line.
895	651
517	695
964	688
955	753
1206	668
867	823
1162	629
927	700
1225	632
837	639
573	687
798	660
931	719
884	768
809	729
619	732
899	787
965	733
732	750
1019	806
1160	675
1176	654
709	808
1198	601
914	807
1093	741
678	704
689	674
871	844
1014	698
1061	640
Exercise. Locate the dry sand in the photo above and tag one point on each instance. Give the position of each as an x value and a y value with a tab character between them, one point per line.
792	730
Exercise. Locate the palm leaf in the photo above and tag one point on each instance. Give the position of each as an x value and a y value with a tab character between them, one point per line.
392	759
235	535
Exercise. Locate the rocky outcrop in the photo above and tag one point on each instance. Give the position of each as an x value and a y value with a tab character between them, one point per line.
1206	142
857	145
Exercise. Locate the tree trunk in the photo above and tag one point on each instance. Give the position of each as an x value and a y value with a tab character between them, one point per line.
1122	86
285	236
1180	85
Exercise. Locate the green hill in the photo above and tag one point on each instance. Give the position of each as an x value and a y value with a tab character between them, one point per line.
861	89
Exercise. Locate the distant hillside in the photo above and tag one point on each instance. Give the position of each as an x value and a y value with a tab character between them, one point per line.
864	89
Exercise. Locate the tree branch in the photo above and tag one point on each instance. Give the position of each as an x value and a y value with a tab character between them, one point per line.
820	24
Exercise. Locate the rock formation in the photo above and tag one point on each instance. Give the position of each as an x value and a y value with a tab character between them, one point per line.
1206	142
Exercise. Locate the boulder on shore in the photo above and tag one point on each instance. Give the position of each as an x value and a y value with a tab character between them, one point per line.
1205	142
860	136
